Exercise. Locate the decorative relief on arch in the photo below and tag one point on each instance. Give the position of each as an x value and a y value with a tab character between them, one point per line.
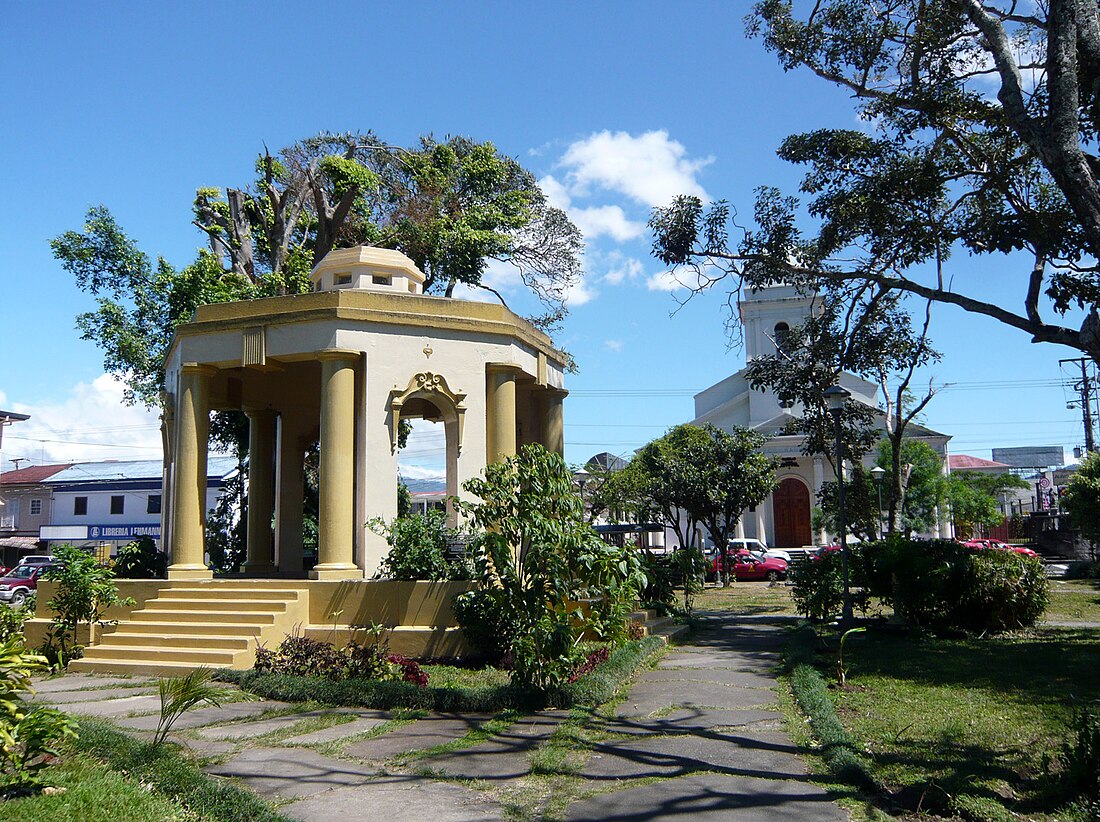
432	387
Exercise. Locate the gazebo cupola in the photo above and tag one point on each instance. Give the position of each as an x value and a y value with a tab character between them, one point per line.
366	268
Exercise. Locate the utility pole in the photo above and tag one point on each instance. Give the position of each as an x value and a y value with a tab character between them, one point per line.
1084	388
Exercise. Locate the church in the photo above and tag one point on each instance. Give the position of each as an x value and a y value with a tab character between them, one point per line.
784	519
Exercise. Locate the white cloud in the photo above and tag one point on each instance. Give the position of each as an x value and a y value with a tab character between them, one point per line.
607	219
579	293
664	281
91	423
555	192
622	268
650	168
613	345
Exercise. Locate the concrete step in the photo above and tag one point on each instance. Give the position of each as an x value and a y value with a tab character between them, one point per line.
195	592
177	640
152	653
210	629
202	615
126	665
220	604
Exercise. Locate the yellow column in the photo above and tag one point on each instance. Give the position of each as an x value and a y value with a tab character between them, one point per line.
336	506
261	492
189	474
290	495
500	412
554	424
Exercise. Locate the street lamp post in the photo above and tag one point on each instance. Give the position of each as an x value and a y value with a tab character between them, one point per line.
835	396
877	473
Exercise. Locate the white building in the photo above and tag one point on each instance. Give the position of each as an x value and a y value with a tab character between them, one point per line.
784	519
98	504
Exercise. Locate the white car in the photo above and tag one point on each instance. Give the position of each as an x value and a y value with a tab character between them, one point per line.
755	546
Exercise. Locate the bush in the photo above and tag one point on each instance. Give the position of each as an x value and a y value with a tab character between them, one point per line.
12	619
140	559
418	546
661	573
28	735
818	589
1083	570
942	584
1080	757
304	657
85	590
536	557
486	622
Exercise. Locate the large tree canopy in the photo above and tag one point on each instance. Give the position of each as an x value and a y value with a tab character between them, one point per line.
451	206
981	138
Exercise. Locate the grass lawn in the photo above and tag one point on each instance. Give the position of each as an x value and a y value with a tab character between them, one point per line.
964	726
1076	601
750	598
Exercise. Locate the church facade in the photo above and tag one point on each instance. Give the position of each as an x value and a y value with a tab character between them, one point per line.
784	519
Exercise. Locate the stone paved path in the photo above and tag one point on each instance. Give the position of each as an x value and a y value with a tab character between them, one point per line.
699	737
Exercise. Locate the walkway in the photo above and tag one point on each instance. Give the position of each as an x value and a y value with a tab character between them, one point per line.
697	737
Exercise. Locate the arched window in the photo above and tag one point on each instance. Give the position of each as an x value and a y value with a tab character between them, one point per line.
781	333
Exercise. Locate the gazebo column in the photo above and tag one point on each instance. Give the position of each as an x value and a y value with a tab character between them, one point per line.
500	412
336	514
554	424
290	495
261	492
189	474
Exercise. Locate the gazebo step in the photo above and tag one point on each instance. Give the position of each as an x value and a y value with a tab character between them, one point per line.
209	629
202	615
136	667
177	640
208	592
194	655
221	603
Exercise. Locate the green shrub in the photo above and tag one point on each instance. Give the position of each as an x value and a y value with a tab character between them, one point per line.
28	734
85	590
140	559
12	619
418	546
662	572
538	555
1083	570
818	589
942	584
486	622
1080	757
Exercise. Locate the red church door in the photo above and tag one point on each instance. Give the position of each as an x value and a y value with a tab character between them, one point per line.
791	514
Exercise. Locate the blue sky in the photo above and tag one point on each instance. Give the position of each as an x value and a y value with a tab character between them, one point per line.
614	106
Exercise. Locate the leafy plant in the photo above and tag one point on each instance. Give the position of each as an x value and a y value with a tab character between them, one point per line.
299	655
12	619
85	590
1080	757
141	559
418	545
180	694
539	557
841	670
28	735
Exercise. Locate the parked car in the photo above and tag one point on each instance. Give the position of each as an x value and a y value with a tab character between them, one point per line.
20	582
746	566
35	559
996	544
755	546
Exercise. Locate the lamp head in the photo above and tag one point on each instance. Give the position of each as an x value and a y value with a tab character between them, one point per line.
835	397
877	473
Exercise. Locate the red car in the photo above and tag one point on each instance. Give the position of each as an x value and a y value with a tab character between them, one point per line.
19	582
981	544
746	566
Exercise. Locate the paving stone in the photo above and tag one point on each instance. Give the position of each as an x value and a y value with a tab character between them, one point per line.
504	756
396	797
283	773
647	697
247	730
423	733
711	798
740	679
366	721
204	716
762	662
72	682
688	721
741	752
117	707
70	697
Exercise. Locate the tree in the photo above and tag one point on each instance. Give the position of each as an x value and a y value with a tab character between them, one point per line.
451	206
861	512
1082	497
940	168
924	487
85	590
974	499
703	475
